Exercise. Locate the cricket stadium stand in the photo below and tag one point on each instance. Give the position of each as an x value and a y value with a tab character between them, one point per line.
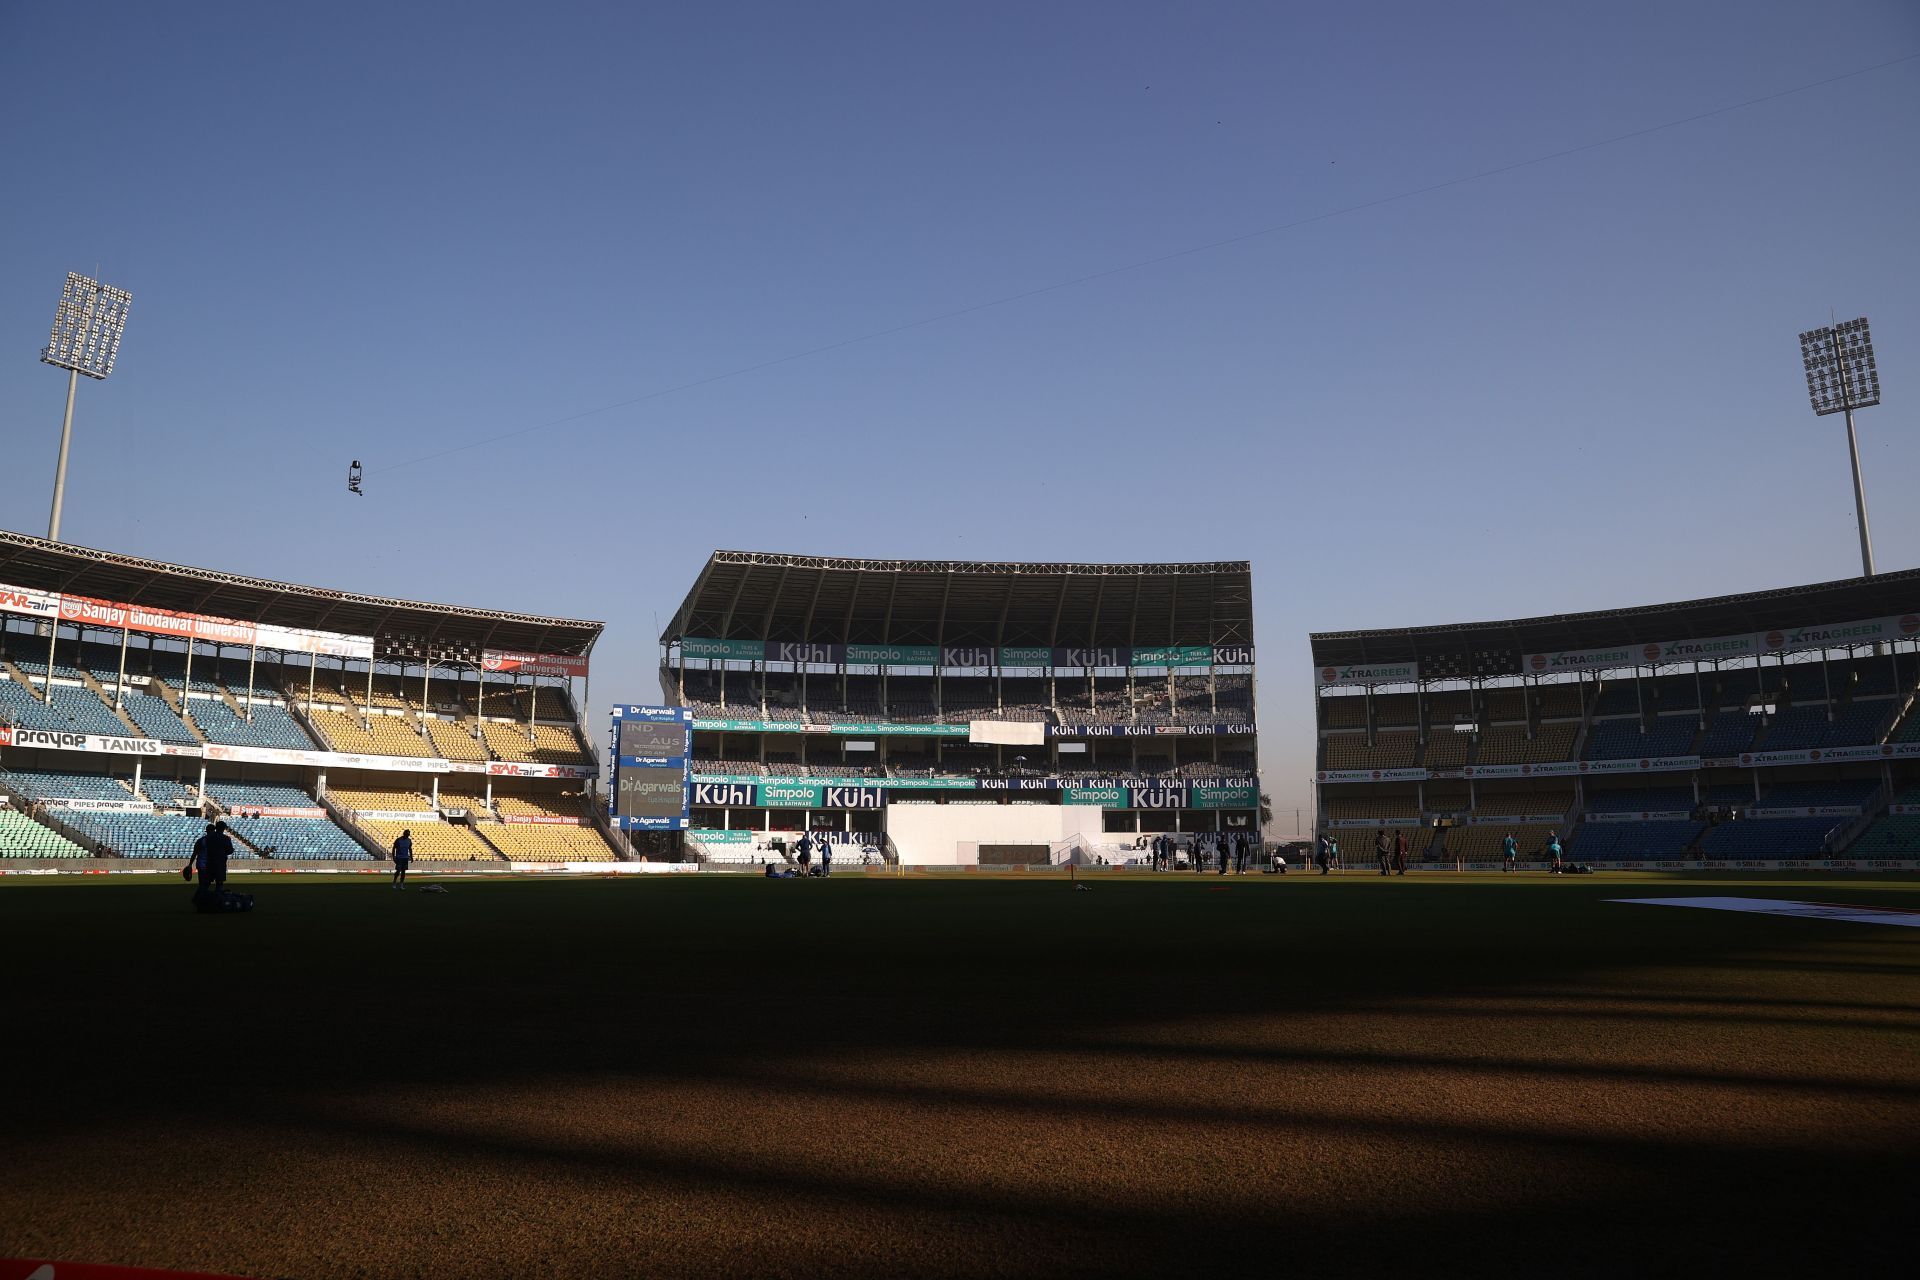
954	713
139	699
1771	728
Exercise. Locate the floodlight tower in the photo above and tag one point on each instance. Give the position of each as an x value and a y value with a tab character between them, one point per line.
86	337
1842	377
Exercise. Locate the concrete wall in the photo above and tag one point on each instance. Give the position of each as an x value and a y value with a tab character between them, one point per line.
933	834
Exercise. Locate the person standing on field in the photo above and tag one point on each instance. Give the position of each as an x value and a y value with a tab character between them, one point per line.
1383	851
1512	852
209	857
1323	853
402	858
1399	853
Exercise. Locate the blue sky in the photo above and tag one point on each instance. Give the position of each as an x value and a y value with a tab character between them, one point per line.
388	231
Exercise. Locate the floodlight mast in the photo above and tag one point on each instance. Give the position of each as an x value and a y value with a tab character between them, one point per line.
1842	376
87	326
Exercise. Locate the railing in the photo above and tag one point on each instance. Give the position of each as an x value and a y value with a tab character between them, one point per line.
344	819
1870	810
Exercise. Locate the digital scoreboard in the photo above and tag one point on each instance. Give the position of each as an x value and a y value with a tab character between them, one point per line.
652	748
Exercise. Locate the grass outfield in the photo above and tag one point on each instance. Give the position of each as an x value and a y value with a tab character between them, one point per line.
707	1076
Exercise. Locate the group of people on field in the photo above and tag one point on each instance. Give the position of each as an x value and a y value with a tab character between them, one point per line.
1391	853
1218	849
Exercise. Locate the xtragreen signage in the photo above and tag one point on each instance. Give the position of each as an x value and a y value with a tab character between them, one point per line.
745	650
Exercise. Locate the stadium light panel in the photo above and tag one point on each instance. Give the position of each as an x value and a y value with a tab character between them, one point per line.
87	326
1841	370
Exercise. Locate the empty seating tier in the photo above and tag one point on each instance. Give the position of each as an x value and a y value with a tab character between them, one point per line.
1636	841
434	841
376	735
523	842
270	726
1509	744
453	741
22	837
1768	838
1388	751
142	835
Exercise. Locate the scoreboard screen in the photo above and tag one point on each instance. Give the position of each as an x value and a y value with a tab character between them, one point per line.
650	793
653	739
651	767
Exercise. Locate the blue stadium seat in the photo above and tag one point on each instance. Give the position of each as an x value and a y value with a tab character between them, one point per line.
1641	800
61	784
1729	733
1794	729
1623	740
271	726
1768	838
143	835
155	718
166	792
1795	795
1638	841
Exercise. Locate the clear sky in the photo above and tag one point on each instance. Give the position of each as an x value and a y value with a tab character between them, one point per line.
384	231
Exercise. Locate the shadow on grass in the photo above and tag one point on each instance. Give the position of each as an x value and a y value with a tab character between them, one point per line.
151	1032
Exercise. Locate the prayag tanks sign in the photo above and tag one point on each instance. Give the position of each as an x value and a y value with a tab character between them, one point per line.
1369	673
60	740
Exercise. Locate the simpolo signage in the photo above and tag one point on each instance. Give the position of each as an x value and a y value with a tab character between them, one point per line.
894	655
1218	797
1179	655
745	650
791	795
1114	797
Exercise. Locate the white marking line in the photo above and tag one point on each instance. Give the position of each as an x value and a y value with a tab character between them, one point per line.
1896	916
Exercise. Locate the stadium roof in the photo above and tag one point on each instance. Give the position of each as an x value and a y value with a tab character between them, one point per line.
1495	648
751	595
399	627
